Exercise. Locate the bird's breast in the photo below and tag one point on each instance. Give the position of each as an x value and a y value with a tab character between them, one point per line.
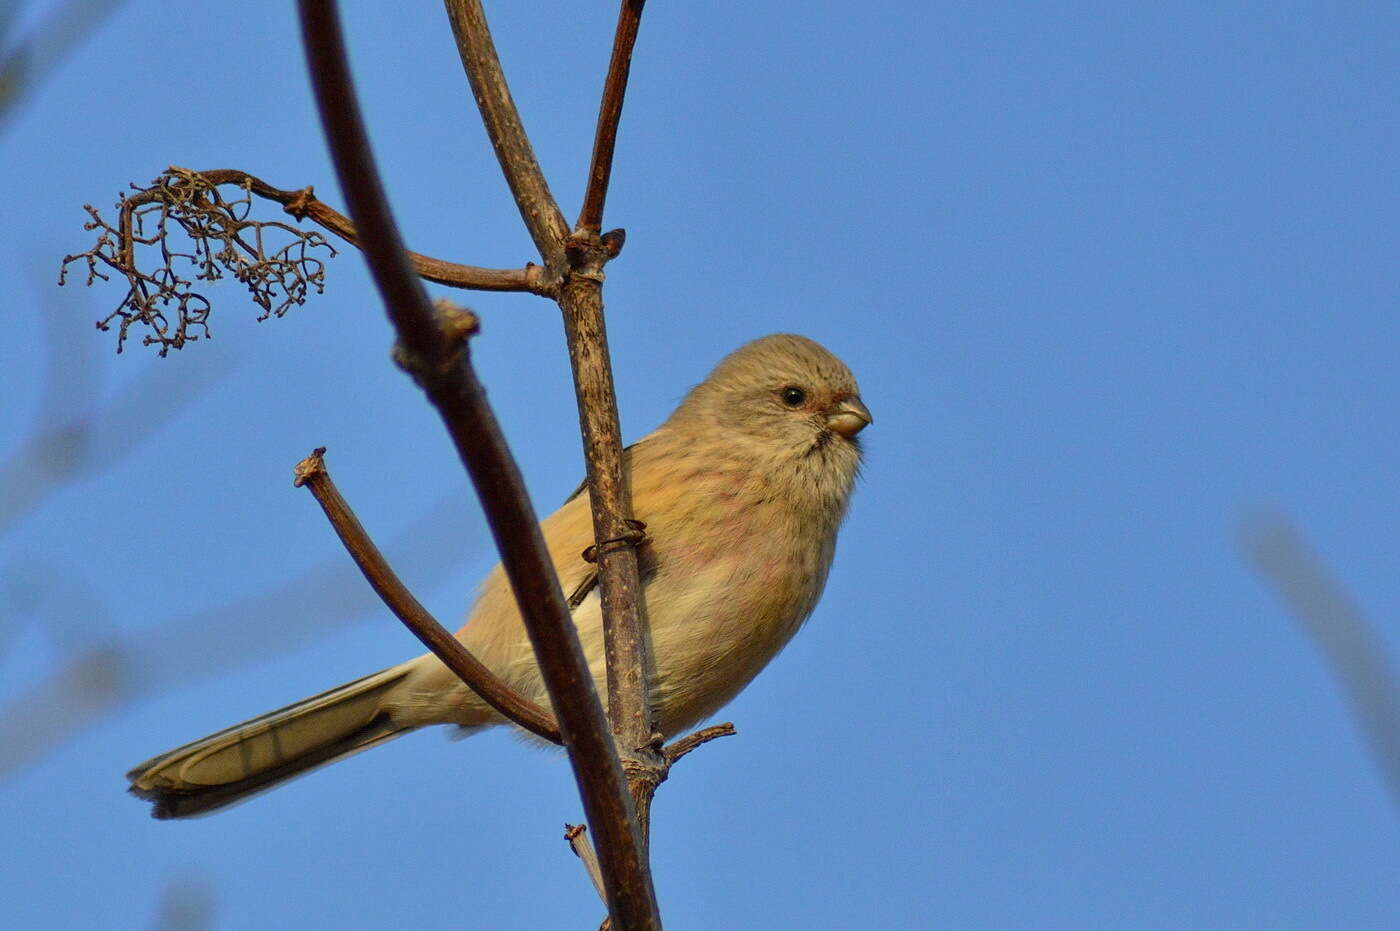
718	614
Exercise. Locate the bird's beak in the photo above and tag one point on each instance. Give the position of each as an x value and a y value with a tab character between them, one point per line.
849	417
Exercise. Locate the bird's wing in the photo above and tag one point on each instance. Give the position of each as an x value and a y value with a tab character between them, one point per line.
626	458
580	577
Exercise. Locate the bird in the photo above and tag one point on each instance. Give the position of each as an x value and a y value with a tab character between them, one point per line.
741	490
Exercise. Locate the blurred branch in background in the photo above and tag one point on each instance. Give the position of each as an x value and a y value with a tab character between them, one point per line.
1351	645
187	903
107	671
24	66
74	436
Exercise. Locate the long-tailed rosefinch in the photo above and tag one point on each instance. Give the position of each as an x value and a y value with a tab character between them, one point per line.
742	490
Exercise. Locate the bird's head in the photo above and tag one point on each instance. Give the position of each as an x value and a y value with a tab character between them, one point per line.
785	399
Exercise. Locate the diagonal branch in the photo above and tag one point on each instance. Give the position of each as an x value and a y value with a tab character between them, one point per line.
1348	641
577	836
629	16
177	183
302	204
538	207
311	472
434	348
674	751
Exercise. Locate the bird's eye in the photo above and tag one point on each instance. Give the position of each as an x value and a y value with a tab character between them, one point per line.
794	396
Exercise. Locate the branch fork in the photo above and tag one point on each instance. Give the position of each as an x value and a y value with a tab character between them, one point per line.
460	400
618	763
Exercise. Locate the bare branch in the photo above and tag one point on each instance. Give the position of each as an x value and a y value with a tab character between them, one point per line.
537	206
311	472
222	239
75	434
174	652
645	774
434	348
225	239
617	533
302	204
629	16
625	644
674	751
580	298
577	836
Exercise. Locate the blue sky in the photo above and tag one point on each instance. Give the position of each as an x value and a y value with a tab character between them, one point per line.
1112	279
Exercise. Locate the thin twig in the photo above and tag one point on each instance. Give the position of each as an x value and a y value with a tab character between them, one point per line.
674	751
538	208
434	348
280	264
303	204
629	16
311	472
577	836
644	776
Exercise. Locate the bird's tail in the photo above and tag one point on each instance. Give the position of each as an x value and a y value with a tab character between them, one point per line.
246	759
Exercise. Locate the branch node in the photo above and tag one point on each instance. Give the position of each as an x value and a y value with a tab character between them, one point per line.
417	367
578	248
587	251
300	204
613	241
648	772
457	326
458	323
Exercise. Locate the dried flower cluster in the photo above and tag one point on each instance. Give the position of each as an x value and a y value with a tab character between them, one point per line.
278	262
